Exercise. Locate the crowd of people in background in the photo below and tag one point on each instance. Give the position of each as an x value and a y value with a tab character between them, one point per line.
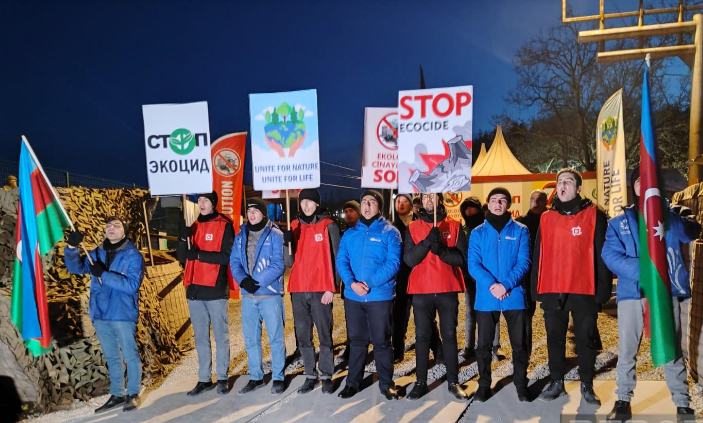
562	254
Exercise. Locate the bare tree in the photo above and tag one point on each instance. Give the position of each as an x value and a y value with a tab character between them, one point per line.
560	80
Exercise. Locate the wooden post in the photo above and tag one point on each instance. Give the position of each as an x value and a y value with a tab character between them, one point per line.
290	247
392	208
148	234
183	209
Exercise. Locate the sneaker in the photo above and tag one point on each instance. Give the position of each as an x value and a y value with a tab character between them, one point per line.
621	412
278	387
348	392
685	415
523	394
222	387
201	387
456	389
390	393
307	386
131	403
554	390
418	391
111	403
327	386
589	395
251	385
482	394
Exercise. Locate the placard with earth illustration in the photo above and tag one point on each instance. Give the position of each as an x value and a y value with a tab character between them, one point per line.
177	142
284	140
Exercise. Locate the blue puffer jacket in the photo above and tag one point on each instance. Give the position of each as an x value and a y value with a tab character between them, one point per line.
621	253
117	298
268	272
370	254
502	258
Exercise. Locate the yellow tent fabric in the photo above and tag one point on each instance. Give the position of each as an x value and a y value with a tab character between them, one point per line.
499	160
481	157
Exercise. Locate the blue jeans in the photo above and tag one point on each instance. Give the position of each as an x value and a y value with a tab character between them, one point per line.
202	315
271	312
118	343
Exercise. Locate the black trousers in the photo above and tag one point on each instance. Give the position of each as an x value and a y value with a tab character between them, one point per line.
487	320
401	316
308	310
556	323
529	315
370	321
425	308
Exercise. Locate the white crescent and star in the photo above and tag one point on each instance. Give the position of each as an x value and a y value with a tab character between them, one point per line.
659	228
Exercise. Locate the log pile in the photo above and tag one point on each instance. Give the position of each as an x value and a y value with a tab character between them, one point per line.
75	369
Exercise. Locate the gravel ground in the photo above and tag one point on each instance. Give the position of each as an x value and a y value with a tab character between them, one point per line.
605	362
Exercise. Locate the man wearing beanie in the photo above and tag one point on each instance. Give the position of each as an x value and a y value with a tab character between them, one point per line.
621	255
368	260
257	264
473	215
499	258
577	283
437	253
207	281
313	280
402	302
351	211
117	270
538	205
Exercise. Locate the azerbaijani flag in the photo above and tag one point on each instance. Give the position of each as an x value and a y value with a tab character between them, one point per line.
41	221
654	273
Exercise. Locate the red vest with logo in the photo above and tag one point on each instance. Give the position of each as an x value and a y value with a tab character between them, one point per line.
312	270
432	275
566	256
206	236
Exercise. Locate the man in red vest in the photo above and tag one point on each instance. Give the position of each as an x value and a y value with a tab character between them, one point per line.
312	283
207	280
437	254
569	276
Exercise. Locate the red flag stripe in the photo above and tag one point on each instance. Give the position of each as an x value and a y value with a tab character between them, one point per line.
43	195
654	217
40	296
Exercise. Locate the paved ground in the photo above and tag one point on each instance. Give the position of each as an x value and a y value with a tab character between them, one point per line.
167	402
170	404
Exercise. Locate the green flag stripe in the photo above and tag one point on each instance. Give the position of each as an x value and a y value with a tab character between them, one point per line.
51	223
35	348
16	310
663	346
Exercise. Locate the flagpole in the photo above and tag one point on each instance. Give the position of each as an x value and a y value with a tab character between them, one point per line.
183	206
290	247
56	195
148	234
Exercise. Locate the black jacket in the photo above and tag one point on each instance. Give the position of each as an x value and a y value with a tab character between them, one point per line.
531	220
414	254
603	275
401	279
221	289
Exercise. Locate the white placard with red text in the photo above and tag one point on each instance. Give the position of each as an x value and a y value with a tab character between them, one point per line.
379	167
434	140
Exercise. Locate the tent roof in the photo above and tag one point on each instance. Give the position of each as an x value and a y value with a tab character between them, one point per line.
481	157
499	160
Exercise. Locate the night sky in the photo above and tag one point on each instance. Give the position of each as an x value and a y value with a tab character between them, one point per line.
74	75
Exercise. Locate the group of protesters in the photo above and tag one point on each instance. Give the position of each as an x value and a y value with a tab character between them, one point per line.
562	255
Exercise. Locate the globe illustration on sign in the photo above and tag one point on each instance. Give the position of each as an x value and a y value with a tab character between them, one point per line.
609	131
285	129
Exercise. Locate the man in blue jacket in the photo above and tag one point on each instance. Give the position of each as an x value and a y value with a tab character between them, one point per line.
621	255
257	265
499	258
117	270
367	262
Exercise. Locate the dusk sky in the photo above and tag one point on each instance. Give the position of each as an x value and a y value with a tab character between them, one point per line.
75	74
